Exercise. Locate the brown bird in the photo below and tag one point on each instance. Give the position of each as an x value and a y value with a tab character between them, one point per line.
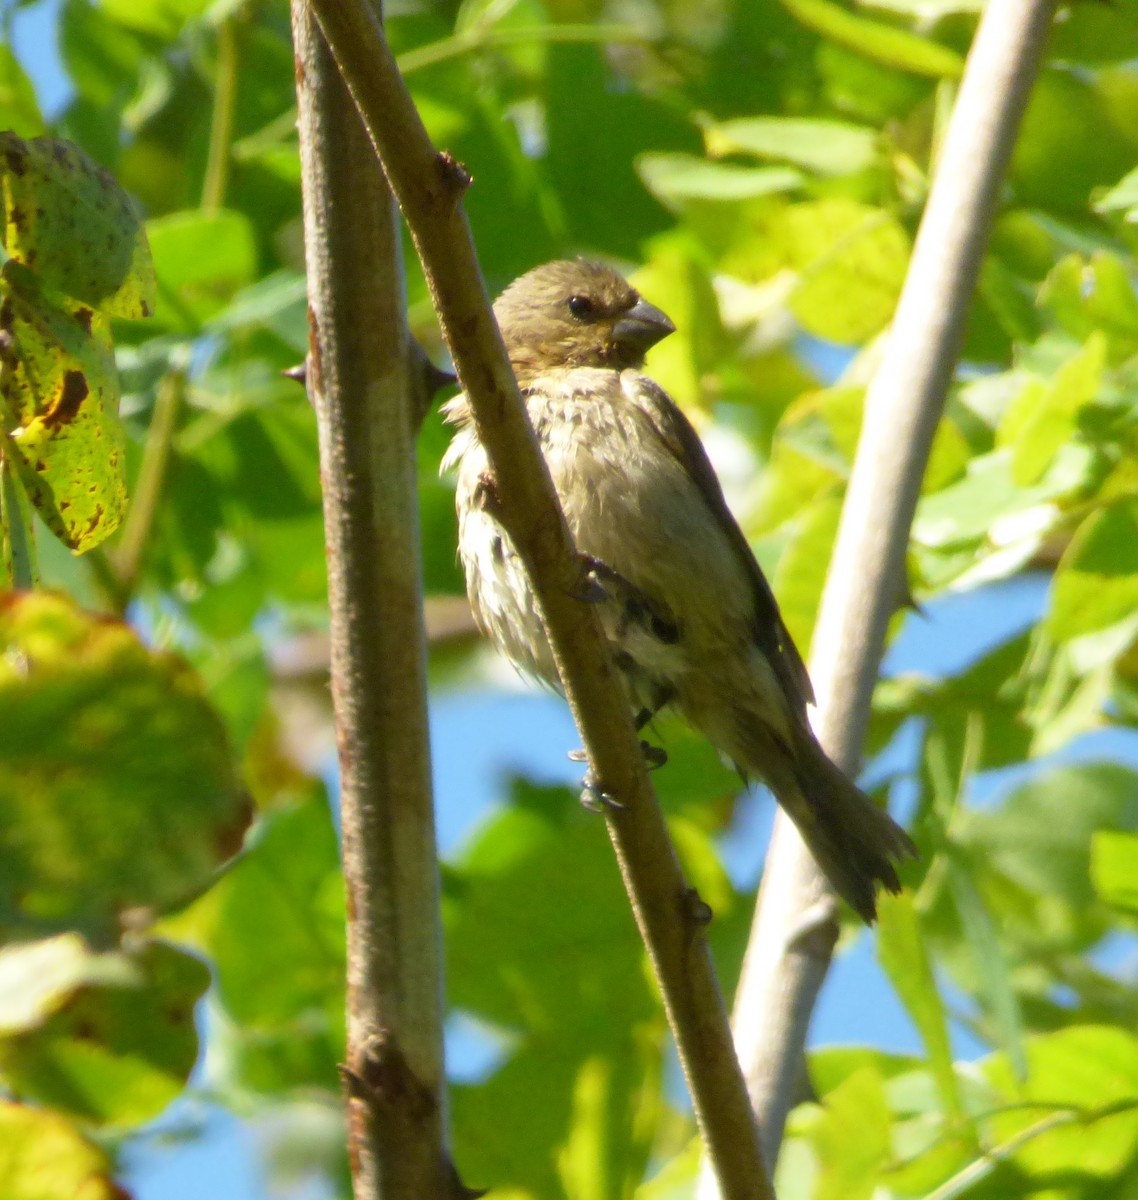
692	621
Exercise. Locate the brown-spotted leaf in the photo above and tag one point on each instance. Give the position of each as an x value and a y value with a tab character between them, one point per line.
118	786
108	1038
43	1155
60	404
69	222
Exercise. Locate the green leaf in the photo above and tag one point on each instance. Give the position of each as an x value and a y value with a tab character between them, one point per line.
1123	197
117	785
162	18
107	1038
997	992
19	109
885	43
202	260
273	927
1042	418
851	261
1096	584
824	146
902	952
1076	1115
802	569
852	1138
674	178
44	1157
1114	869
69	223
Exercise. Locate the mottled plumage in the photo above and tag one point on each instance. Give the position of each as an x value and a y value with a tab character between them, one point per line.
691	618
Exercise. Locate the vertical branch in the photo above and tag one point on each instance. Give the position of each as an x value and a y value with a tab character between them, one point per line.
795	925
359	379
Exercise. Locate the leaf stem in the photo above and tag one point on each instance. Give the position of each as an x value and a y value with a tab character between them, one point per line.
151	480
19	535
473	40
216	180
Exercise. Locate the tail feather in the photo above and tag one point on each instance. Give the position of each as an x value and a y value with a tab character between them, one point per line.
856	844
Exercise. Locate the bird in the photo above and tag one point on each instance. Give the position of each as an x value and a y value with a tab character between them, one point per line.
691	619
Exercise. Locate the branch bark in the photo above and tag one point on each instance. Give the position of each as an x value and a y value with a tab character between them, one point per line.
429	188
795	925
360	378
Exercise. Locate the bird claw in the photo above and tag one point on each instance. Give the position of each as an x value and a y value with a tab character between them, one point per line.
588	588
595	798
654	756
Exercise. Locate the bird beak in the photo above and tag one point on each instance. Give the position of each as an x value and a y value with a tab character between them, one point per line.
642	327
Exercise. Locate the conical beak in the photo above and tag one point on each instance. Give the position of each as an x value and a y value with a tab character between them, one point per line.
642	327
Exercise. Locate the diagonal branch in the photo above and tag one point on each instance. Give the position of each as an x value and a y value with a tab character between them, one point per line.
795	925
360	377
429	188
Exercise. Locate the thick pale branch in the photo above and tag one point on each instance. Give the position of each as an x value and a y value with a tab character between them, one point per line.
795	925
429	188
360	379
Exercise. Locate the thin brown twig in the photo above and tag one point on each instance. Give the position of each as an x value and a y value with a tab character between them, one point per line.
429	187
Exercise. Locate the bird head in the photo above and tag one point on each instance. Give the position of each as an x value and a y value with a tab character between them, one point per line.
576	314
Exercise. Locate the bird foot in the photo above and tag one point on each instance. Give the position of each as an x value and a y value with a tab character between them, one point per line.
595	798
654	756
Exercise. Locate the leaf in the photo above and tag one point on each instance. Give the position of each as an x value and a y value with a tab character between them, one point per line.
117	786
202	260
107	1038
902	951
1077	1106
1123	197
824	146
60	390
1042	418
885	43
19	109
77	255
44	1157
802	569
674	178
162	18
69	223
273	928
851	261
851	1138
1114	869
991	962
1096	584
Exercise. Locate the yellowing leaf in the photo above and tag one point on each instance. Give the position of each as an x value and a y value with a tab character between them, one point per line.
44	1157
60	398
68	221
118	788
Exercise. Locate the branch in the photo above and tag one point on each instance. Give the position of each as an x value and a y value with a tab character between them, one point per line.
359	380
429	188
795	925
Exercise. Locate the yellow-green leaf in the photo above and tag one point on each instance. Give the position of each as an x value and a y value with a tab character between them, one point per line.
44	1157
118	787
59	405
69	222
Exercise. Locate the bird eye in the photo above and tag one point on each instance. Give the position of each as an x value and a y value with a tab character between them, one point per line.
580	306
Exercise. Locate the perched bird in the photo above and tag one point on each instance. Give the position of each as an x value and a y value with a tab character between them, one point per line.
691	619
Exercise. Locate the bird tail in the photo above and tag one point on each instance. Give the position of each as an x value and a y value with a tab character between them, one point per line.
855	843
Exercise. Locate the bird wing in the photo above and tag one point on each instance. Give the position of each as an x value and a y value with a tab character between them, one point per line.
682	441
